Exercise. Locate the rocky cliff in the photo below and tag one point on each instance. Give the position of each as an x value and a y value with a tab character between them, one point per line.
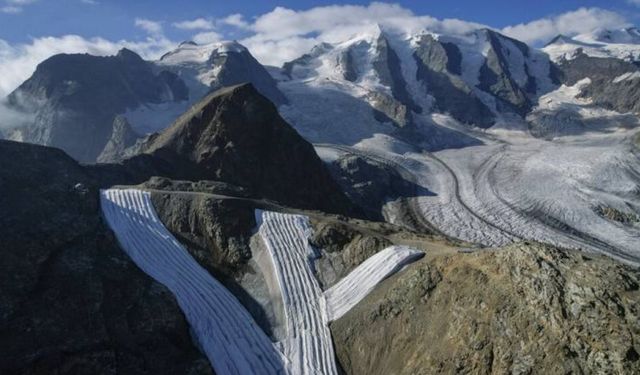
525	309
72	301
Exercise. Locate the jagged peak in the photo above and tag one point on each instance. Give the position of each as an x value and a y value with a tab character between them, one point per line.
187	43
560	39
243	90
191	52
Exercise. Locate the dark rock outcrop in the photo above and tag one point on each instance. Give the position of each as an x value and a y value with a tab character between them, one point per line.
528	308
75	99
439	68
495	76
614	83
387	65
122	137
595	68
236	135
72	301
369	184
343	248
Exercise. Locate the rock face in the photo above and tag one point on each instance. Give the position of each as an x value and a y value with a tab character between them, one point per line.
237	136
497	78
122	137
369	184
343	248
387	66
216	231
614	84
524	309
439	69
76	98
72	301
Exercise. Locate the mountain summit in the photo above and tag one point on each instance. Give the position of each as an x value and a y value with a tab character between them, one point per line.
236	135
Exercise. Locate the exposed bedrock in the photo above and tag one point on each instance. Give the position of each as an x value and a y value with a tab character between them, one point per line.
74	99
439	70
614	83
72	300
369	184
526	309
237	136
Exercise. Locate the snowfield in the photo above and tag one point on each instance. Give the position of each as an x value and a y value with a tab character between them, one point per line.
622	44
225	331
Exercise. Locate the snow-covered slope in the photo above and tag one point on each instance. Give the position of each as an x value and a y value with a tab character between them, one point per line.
622	44
204	68
212	66
382	81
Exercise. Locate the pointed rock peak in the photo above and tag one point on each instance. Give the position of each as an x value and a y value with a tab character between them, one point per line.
226	100
187	43
321	48
379	29
559	39
245	89
236	135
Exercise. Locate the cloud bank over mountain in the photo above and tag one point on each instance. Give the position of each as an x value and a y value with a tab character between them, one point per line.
284	34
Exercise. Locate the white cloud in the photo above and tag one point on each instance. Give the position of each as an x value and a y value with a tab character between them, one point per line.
236	20
207	37
196	24
18	62
283	33
633	2
579	21
15	6
90	2
21	2
153	28
10	9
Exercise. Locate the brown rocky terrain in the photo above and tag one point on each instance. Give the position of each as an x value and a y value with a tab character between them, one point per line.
524	309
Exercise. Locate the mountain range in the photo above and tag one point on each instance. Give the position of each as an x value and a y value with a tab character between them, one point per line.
137	195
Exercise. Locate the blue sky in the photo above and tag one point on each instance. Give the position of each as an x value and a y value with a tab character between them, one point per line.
114	19
274	32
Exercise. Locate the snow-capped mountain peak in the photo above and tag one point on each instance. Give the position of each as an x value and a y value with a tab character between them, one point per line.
620	43
629	35
191	52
